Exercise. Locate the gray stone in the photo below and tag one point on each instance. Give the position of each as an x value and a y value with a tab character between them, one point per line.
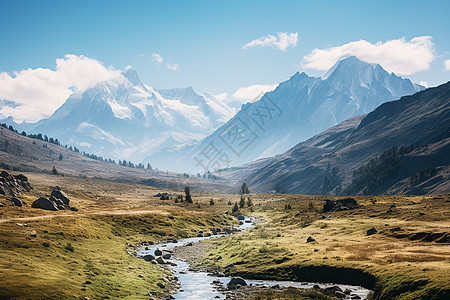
16	201
235	281
167	256
148	257
161	260
310	239
371	231
44	203
158	252
61	196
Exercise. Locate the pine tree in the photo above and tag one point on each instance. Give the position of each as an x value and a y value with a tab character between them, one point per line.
187	191
61	156
235	208
211	202
54	171
242	202
244	189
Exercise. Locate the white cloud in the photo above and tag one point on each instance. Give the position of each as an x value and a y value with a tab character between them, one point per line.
424	83
447	64
158	58
283	41
172	67
399	56
253	92
221	97
39	92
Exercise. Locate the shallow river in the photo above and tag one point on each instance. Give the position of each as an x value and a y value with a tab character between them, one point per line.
199	285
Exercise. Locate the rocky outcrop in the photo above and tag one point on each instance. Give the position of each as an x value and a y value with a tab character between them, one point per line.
58	200
13	185
341	204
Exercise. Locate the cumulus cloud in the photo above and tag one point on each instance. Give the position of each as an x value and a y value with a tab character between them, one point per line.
172	67
447	64
283	41
253	92
158	58
221	97
37	93
399	56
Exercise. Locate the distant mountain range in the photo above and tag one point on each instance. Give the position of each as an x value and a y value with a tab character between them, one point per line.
401	147
295	111
126	119
180	130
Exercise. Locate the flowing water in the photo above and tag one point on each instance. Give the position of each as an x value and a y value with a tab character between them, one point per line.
202	286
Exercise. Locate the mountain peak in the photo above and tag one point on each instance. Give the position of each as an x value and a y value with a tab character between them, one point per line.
132	76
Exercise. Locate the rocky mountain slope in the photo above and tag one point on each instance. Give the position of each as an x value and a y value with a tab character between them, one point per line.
295	111
403	146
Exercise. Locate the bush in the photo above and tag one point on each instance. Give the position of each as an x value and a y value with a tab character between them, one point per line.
211	202
187	191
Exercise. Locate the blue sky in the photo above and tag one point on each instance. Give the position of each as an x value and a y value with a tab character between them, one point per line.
204	39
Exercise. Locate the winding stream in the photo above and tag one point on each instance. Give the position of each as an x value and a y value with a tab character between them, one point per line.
201	285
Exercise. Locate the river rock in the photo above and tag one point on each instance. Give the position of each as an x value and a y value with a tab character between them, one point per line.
44	203
161	260
234	282
354	296
158	252
167	256
189	244
371	231
339	295
148	257
241	218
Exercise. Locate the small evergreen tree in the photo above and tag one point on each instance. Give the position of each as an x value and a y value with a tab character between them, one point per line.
211	202
229	202
242	202
235	208
244	189
249	202
61	156
54	171
187	192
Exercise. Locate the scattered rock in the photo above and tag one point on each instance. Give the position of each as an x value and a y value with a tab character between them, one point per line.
44	203
189	244
158	252
161	260
310	239
395	229
161	285
148	257
341	204
88	282
167	256
235	282
339	295
61	196
16	201
141	276
33	234
241	218
354	296
371	231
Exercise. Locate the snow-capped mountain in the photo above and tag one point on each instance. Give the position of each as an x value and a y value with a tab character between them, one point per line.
126	119
296	110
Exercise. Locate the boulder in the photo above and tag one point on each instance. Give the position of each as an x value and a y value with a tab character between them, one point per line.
241	218
158	252
235	281
371	231
148	257
44	203
310	239
61	196
167	256
21	177
16	201
341	204
161	260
